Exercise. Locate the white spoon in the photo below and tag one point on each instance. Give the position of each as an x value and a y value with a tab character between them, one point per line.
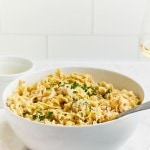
140	107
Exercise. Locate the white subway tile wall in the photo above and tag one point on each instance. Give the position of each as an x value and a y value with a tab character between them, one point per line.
47	16
94	48
71	30
0	14
29	46
121	17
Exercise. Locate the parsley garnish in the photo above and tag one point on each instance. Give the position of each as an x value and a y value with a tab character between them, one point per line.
81	114
49	114
93	91
74	85
25	112
41	117
108	91
74	100
34	117
84	87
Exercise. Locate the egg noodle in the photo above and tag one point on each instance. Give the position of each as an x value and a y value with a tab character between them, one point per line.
71	100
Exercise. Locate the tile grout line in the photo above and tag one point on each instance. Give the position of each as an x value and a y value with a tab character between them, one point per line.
68	35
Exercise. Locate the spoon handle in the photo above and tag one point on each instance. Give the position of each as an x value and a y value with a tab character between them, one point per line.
141	107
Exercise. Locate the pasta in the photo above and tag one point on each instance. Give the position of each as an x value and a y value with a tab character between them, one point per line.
70	99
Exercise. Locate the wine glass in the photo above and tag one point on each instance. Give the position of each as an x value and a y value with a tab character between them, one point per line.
144	39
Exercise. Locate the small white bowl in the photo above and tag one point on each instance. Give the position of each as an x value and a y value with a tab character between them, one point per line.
104	136
11	67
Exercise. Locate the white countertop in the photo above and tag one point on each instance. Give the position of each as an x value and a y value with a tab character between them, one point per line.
139	71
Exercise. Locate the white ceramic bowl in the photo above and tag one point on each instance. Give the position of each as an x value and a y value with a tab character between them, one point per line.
11	67
105	136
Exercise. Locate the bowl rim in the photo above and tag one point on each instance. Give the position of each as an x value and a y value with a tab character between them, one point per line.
27	61
53	69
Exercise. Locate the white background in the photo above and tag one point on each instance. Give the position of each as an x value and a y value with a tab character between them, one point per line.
71	30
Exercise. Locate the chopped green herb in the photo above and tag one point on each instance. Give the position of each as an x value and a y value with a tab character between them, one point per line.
62	84
75	91
90	108
108	91
74	85
85	103
88	93
75	100
48	88
49	114
99	84
69	81
84	87
34	117
81	114
41	117
64	94
102	84
93	91
24	113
